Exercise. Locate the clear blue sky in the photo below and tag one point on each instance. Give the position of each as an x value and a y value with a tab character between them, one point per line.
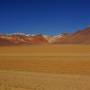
44	16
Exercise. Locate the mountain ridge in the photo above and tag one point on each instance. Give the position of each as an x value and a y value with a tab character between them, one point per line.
78	37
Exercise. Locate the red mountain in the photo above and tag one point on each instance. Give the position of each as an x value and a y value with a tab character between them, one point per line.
22	39
79	37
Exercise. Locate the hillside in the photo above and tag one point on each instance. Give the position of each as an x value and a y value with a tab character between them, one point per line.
78	37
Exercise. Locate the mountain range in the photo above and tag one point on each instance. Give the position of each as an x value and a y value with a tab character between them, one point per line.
78	37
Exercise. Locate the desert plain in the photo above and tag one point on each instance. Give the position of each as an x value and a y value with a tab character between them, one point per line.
45	67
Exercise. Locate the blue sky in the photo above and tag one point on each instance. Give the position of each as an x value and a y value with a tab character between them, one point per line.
44	16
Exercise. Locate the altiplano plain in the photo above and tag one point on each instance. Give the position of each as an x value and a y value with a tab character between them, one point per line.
45	67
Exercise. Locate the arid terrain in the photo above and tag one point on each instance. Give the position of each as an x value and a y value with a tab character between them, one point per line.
45	67
78	37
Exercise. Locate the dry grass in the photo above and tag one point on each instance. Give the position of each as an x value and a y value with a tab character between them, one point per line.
55	67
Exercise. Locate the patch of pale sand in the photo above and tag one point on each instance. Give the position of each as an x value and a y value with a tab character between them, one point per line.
21	80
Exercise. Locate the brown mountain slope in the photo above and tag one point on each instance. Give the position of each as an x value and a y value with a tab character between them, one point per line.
5	42
38	39
22	40
79	37
82	36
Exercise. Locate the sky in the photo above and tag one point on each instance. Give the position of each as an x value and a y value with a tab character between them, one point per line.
44	16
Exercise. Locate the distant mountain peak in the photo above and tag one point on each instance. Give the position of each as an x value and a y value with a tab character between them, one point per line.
79	37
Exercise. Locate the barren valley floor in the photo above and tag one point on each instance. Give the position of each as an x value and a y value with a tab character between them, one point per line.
45	67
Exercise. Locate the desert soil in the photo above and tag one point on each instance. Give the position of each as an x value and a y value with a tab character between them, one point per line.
45	67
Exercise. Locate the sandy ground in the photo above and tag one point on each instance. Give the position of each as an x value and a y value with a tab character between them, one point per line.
49	67
10	80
